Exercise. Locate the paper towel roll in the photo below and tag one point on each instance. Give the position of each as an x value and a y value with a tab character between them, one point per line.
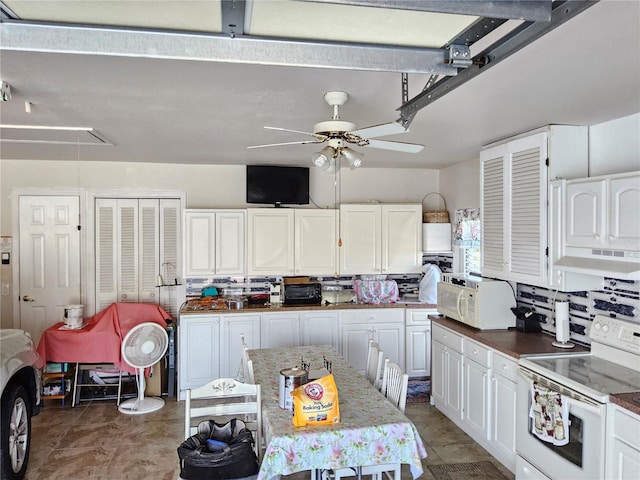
562	321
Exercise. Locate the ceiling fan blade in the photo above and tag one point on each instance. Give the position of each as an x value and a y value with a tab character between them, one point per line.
289	130
303	142
396	146
373	131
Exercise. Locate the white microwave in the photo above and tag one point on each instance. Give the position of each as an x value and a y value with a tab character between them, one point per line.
478	302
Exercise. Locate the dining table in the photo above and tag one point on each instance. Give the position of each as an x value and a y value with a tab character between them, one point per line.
371	431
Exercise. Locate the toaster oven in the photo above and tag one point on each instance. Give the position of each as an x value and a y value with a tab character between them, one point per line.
302	294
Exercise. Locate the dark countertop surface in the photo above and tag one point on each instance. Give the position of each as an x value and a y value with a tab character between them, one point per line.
510	342
628	401
186	310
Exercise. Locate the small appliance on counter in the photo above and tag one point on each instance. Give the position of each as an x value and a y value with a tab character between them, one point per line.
526	320
234	297
336	294
275	294
302	294
482	303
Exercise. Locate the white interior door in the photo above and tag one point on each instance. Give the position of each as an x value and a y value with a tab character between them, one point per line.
49	260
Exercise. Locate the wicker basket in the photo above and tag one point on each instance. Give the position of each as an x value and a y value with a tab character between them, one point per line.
438	216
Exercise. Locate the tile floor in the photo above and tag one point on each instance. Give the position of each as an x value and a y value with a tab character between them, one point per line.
94	441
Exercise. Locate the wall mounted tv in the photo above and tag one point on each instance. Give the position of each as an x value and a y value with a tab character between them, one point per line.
277	185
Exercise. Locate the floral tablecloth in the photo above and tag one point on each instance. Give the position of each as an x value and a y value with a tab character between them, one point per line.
371	430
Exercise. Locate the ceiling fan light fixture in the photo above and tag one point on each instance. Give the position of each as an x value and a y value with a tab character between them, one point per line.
323	157
353	158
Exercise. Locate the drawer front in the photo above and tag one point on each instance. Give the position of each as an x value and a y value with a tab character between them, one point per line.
420	317
478	353
505	366
447	337
373	315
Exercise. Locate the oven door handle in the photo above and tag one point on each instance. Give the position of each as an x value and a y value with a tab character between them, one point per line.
590	406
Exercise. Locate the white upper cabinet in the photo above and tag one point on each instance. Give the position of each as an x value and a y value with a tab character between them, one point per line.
271	241
315	242
215	242
401	238
380	238
515	178
602	212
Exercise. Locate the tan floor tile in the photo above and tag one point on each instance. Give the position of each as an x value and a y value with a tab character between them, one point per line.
94	441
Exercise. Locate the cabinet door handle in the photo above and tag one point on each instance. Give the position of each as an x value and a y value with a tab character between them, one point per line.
597	237
612	238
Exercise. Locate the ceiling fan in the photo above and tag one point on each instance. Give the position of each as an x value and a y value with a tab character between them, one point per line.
337	133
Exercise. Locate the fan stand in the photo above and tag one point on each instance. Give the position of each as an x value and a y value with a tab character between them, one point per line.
141	405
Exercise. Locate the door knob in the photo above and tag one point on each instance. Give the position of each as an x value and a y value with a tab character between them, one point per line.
27	298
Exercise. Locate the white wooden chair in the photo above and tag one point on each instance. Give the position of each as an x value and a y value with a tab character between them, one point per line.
394	387
226	398
375	363
394	384
246	363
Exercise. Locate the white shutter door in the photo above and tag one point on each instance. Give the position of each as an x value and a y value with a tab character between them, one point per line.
148	246
170	235
492	210
525	213
127	251
106	259
528	226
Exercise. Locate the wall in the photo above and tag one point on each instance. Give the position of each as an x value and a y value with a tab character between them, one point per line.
614	147
460	185
205	186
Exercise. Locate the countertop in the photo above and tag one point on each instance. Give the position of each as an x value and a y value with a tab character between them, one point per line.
186	310
628	401
510	342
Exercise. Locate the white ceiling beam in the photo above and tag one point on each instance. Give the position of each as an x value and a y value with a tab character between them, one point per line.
85	40
529	10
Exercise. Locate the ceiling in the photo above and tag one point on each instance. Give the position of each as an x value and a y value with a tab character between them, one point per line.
140	81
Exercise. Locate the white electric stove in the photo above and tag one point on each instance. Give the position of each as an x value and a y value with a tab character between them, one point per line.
586	381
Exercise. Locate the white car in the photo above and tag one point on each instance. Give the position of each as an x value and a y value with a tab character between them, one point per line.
21	381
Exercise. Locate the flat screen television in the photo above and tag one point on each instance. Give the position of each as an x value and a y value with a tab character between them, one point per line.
277	185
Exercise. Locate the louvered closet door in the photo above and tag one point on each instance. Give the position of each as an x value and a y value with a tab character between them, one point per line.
106	258
137	240
493	209
528	224
169	235
148	249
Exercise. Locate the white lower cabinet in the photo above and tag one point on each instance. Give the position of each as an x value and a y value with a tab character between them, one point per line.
384	326
446	372
280	329
418	342
502	438
320	328
475	387
232	328
623	444
209	346
198	355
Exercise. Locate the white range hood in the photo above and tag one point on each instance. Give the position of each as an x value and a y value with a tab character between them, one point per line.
621	264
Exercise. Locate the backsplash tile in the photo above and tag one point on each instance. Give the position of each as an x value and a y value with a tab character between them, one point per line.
618	298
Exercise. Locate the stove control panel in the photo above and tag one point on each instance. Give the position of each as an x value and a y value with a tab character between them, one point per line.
616	333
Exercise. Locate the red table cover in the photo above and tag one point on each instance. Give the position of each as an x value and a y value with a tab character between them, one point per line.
99	341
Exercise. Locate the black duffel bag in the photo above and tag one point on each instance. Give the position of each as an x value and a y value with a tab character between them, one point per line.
227	455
